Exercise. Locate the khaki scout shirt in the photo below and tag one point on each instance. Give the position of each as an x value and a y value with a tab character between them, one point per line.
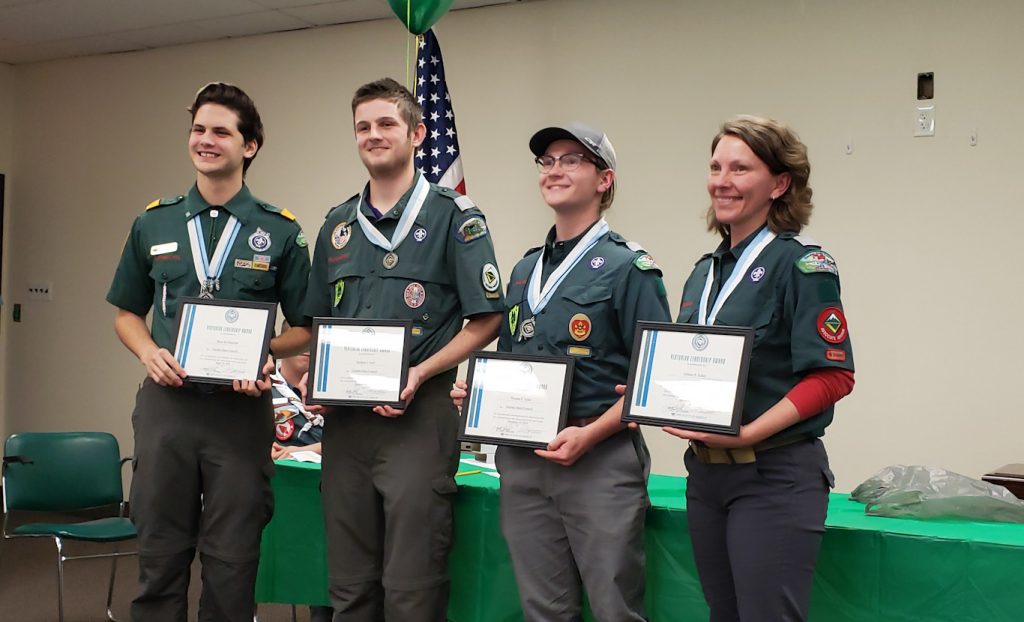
790	297
156	267
591	317
445	271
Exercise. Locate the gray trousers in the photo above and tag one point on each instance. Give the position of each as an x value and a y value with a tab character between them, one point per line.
201	480
756	529
387	489
580	524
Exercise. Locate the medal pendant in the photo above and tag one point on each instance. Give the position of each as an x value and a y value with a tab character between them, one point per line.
390	260
527	329
205	290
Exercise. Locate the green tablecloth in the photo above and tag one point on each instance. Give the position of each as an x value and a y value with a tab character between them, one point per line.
870	568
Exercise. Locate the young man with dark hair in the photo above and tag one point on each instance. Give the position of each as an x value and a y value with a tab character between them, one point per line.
202	464
403	248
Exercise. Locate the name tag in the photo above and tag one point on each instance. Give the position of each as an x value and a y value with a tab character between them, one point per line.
163	249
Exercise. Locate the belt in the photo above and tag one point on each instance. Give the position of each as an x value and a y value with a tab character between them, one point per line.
741	455
582	421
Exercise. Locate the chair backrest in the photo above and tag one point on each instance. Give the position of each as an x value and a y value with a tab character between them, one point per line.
62	471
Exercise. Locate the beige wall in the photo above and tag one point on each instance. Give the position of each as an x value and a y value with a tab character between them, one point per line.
6	162
923	229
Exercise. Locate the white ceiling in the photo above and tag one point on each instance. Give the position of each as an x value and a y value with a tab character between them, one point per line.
38	30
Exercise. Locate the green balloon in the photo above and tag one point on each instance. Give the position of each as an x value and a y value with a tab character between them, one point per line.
423	14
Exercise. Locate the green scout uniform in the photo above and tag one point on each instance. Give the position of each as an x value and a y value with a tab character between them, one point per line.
756	527
202	454
388	482
590	515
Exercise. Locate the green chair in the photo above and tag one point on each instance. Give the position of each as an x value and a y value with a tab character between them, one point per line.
66	472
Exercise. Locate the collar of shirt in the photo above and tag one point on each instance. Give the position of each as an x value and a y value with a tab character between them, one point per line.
555	252
395	212
724	249
240	206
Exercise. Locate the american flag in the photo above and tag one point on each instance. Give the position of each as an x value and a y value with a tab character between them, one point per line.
438	157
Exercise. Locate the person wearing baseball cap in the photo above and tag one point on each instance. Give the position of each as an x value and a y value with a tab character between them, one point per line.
573	513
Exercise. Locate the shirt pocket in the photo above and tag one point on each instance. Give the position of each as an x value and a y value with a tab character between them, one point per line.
587	314
420	292
254	285
344	283
171	282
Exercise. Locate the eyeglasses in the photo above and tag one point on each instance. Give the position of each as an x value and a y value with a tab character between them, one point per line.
568	162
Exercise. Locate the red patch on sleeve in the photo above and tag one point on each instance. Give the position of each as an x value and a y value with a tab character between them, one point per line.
832	325
833	354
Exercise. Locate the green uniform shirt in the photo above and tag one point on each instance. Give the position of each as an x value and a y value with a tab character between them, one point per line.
790	296
591	317
156	267
445	270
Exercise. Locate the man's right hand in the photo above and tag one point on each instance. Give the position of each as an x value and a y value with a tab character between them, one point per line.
163	368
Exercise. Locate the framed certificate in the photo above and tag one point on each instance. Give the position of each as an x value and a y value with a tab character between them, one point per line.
223	340
356	362
515	399
688	376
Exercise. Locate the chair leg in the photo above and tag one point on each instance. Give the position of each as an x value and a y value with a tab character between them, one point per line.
110	590
60	578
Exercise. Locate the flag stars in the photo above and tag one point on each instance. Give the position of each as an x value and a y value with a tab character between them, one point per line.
449	132
434	61
448	114
435	152
433	77
434	134
435	170
451	150
434	98
434	116
419	154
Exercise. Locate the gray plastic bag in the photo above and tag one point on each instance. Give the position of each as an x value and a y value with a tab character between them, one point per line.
929	492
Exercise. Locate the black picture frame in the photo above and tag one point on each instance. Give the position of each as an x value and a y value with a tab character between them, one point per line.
642	354
468	404
268	331
316	368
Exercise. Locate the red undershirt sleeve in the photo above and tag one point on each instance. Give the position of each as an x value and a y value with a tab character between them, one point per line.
820	389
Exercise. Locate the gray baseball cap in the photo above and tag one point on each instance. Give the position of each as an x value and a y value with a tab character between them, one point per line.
594	140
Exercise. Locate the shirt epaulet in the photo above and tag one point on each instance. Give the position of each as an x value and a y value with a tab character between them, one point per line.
273	209
532	251
166	201
341	205
807	240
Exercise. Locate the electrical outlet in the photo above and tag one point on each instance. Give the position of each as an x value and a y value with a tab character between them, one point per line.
40	290
924	122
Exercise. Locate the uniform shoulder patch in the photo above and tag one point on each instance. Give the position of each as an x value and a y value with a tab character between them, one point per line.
471	229
166	201
636	247
817	261
646	262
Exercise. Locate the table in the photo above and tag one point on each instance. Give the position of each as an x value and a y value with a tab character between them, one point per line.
870	568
